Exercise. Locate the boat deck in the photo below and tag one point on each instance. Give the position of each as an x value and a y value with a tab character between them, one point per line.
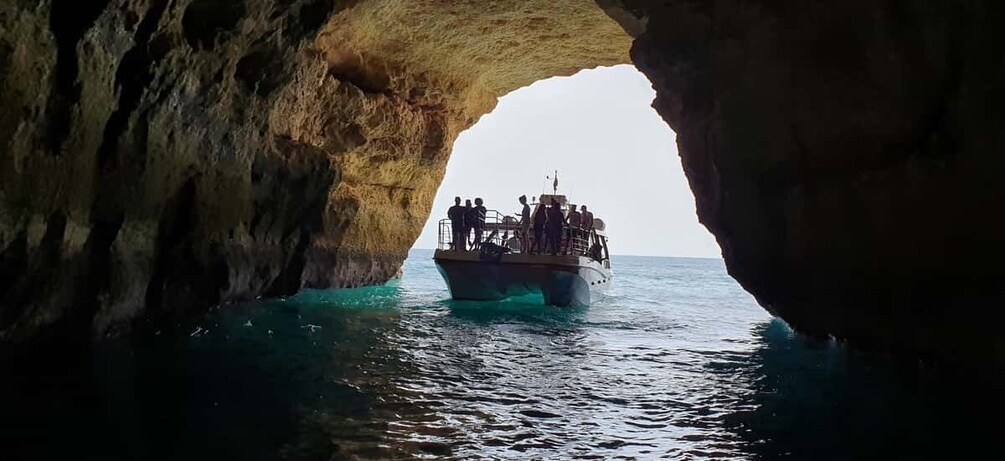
570	278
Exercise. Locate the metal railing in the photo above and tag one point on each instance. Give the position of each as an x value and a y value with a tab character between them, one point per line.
505	231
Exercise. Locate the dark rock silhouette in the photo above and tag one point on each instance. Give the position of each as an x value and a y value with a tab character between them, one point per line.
160	157
842	154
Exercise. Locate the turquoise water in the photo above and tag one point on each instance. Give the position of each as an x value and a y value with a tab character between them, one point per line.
677	362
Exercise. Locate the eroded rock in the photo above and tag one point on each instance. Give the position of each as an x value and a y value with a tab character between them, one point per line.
160	156
843	154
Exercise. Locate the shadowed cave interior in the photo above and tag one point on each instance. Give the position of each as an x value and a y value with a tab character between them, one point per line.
162	157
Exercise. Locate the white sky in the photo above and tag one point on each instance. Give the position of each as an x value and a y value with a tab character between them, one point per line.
612	151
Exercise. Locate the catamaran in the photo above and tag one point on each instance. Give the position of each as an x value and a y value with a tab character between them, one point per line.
500	268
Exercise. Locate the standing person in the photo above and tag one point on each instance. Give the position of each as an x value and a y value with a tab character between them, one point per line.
540	219
587	221
468	217
572	234
479	221
456	215
554	227
524	225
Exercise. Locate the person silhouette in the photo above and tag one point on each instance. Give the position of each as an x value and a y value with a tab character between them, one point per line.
540	220
554	226
478	224
572	233
468	219
524	225
456	215
586	221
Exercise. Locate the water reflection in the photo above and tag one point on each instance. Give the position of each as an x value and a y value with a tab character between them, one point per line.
398	372
245	382
819	400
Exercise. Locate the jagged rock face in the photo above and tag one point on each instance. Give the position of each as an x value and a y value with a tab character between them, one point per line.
141	172
161	156
845	156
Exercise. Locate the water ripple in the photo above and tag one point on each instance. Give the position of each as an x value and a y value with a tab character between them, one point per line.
678	363
518	380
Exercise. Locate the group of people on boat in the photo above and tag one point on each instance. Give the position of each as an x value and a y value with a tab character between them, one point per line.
553	230
548	230
464	220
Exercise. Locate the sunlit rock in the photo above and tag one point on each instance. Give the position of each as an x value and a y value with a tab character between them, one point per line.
160	157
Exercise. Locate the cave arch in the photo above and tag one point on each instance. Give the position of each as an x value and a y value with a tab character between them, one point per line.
436	67
307	137
842	153
612	150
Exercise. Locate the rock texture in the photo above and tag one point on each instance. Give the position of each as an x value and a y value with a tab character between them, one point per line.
843	154
161	156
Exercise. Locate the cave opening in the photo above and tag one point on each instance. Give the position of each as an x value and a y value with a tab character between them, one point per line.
611	150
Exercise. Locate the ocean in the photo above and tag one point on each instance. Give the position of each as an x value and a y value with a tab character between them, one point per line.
677	362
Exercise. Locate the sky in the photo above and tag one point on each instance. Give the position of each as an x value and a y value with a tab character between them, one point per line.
612	151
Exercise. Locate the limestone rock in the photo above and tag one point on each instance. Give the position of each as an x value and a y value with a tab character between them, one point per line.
158	157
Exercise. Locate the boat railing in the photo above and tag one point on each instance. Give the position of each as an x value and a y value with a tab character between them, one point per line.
499	229
504	230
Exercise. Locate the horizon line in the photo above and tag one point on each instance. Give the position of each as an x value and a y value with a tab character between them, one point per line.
625	254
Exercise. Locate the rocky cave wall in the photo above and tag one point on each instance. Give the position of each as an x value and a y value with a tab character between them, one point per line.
162	156
843	154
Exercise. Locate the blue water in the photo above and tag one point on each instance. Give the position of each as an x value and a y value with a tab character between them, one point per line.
677	362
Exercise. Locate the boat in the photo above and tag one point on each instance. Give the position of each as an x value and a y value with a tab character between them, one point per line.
500	268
